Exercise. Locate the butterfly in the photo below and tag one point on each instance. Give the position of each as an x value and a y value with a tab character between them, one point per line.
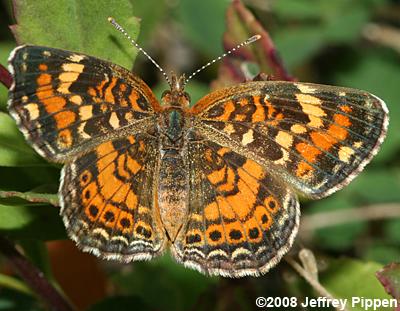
216	182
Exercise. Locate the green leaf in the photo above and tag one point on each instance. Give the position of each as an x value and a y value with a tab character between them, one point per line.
392	230
299	44
13	149
375	186
323	23
379	252
15	284
43	179
296	9
348	278
150	13
205	32
79	25
30	221
347	25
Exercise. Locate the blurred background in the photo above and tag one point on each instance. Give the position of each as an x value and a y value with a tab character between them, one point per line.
352	233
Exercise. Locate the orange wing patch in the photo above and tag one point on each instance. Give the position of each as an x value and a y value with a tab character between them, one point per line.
241	205
107	207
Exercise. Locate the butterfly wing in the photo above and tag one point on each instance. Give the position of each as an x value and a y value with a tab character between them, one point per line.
316	138
241	221
66	102
107	199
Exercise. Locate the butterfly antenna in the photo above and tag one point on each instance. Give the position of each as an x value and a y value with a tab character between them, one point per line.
244	43
122	30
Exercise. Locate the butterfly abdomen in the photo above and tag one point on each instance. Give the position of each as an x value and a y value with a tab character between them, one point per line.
172	192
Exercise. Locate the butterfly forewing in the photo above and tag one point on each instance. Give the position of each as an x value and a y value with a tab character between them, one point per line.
65	102
315	137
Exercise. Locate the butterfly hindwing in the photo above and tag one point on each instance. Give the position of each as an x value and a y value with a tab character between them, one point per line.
66	102
107	199
315	137
241	220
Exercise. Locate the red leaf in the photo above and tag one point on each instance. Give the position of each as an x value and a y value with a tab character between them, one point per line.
242	24
389	277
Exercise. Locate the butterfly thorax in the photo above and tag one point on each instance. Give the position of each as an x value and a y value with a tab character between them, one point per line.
172	121
172	169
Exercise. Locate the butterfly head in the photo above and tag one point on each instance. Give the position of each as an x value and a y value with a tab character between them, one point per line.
176	96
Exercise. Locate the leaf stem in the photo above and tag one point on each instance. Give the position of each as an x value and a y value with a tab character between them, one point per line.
34	277
15	284
5	77
31	197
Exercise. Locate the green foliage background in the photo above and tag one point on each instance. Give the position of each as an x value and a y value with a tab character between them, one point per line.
320	41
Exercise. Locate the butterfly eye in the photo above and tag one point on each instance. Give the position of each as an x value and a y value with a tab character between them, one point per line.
187	96
166	93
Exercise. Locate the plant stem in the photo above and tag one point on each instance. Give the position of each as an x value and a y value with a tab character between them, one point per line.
333	218
34	277
268	46
5	77
31	197
382	34
321	290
